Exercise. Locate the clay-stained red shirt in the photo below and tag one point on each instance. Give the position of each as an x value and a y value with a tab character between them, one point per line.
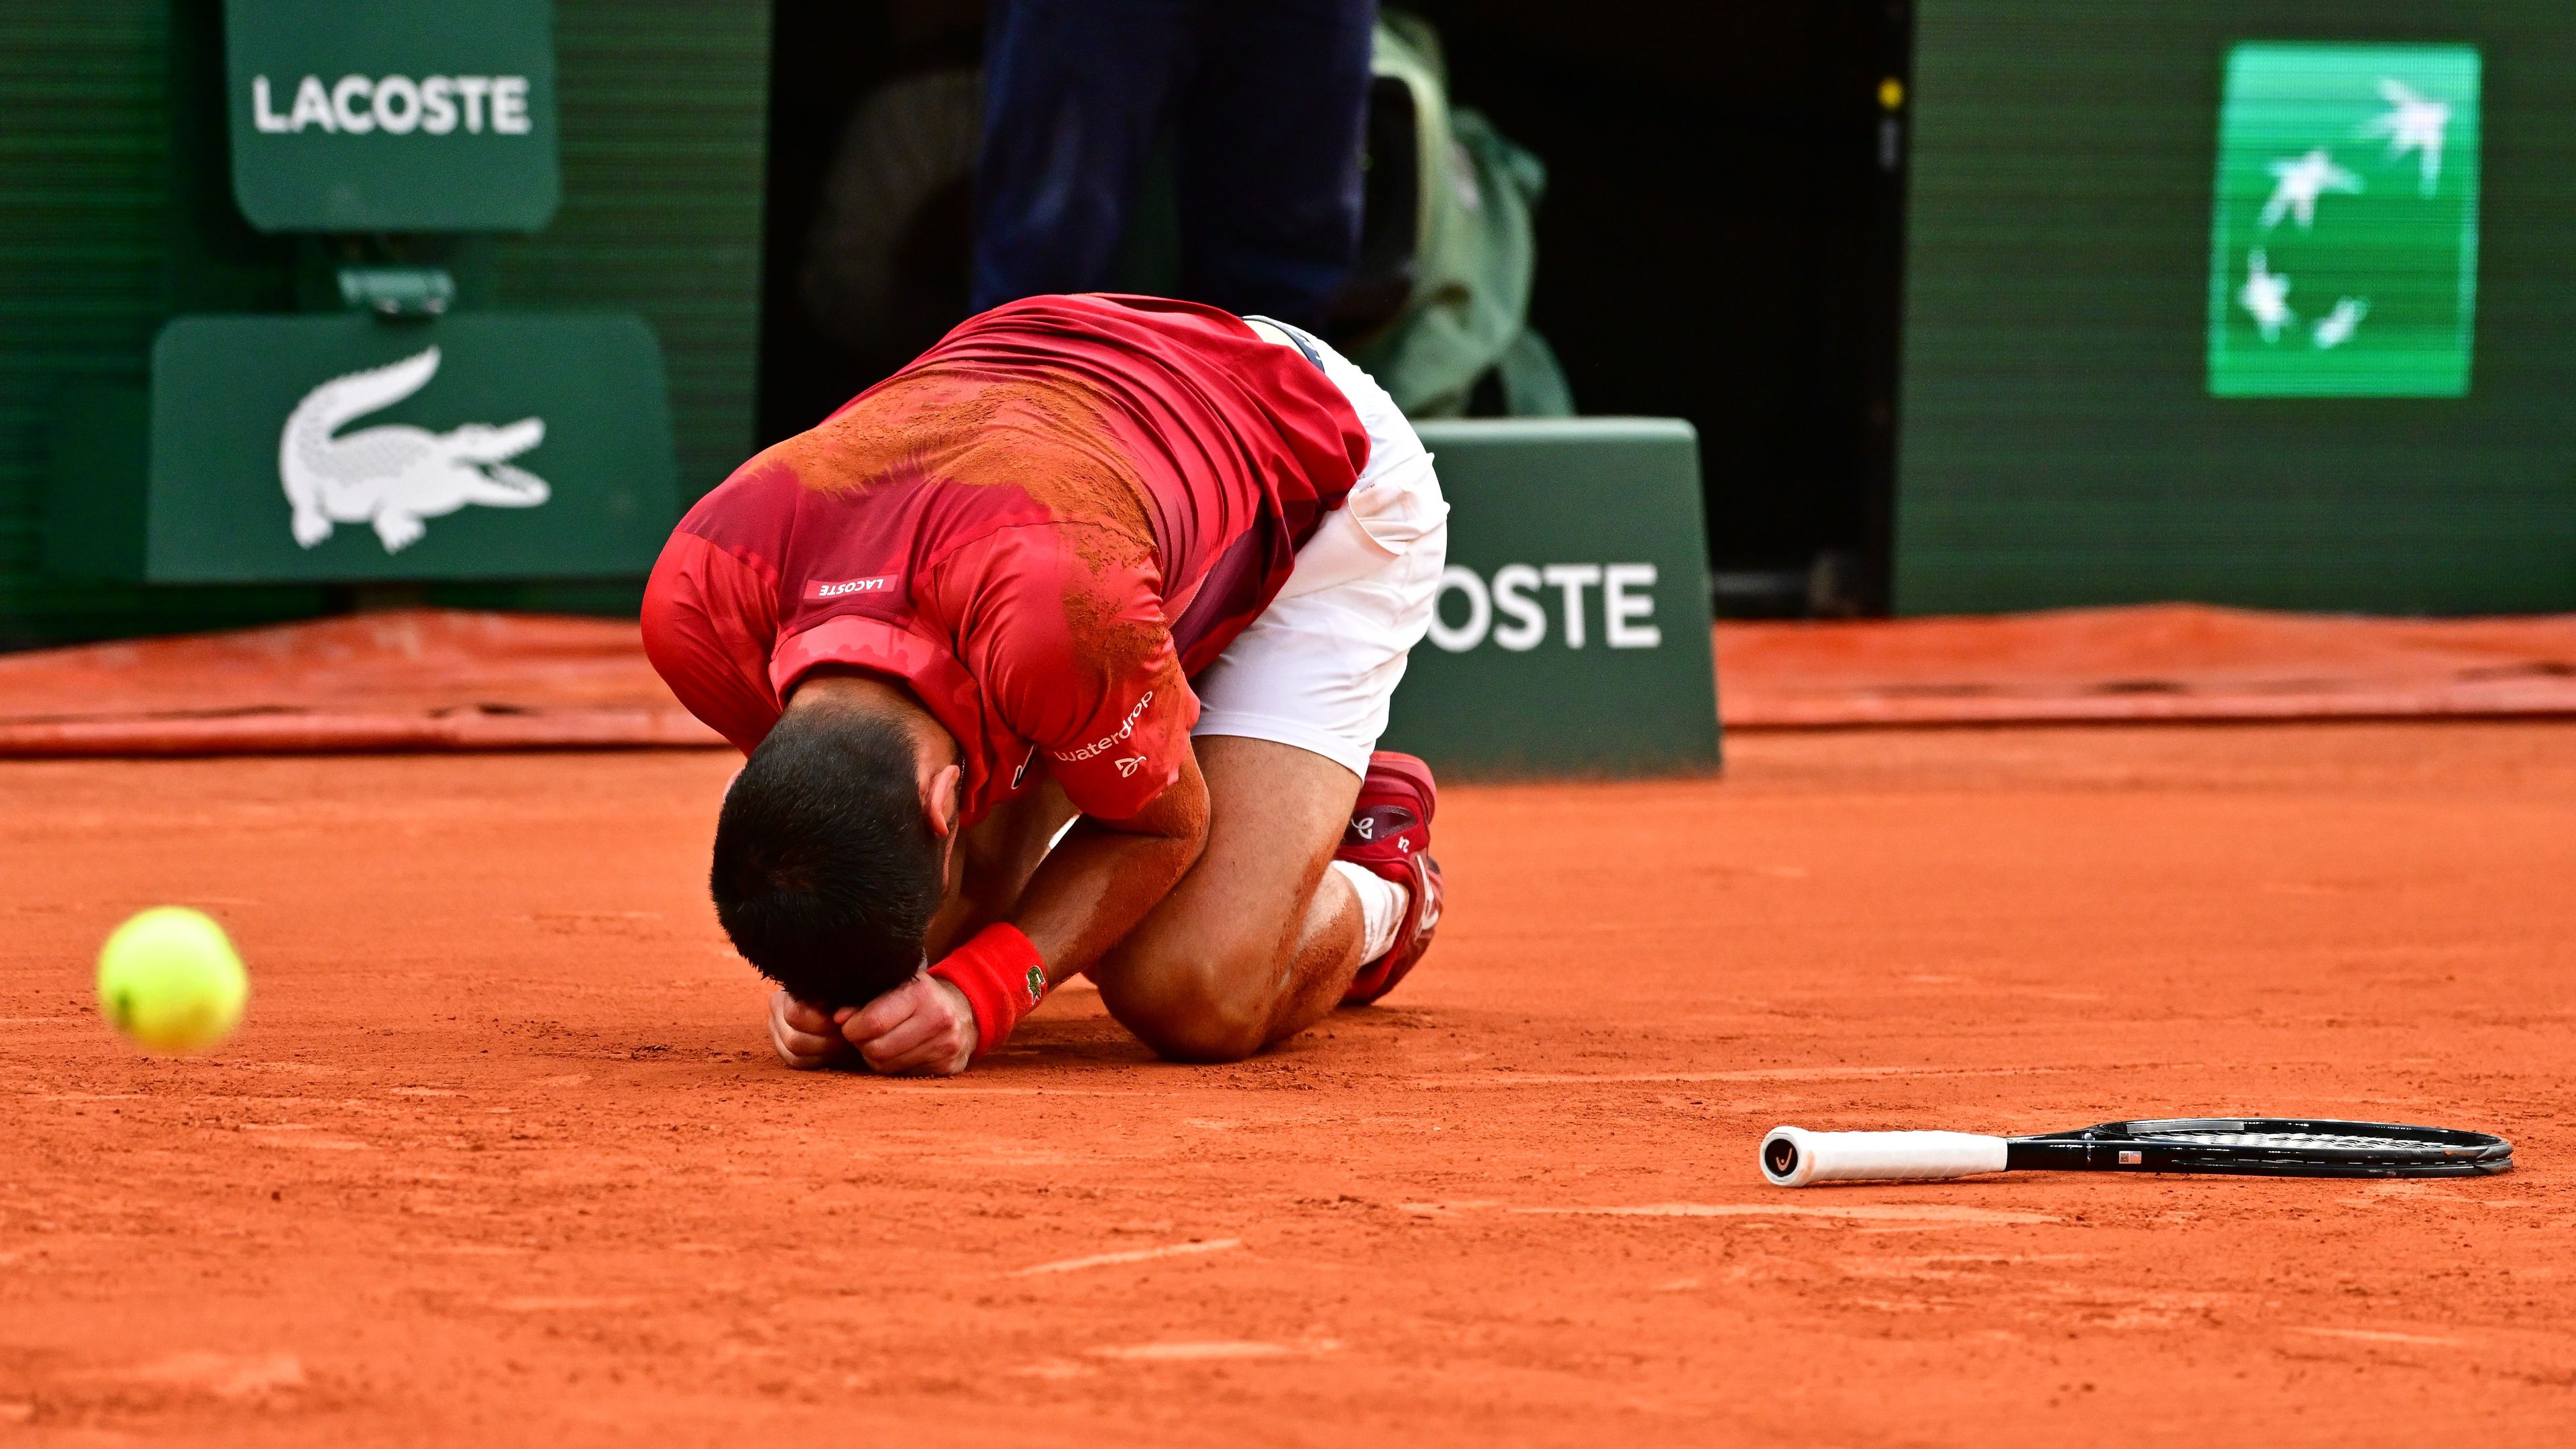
1043	527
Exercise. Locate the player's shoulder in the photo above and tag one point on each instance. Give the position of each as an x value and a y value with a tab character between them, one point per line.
762	491
1049	558
1115	318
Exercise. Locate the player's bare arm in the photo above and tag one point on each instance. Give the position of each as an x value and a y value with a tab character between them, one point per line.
1105	875
994	859
1088	893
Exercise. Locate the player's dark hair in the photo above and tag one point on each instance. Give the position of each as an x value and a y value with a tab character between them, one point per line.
826	875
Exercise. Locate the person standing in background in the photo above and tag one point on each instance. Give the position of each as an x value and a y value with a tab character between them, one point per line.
1265	100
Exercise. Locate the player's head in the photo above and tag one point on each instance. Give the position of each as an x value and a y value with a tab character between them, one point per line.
827	867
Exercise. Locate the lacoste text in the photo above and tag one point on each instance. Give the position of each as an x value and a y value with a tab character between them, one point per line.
397	105
878	585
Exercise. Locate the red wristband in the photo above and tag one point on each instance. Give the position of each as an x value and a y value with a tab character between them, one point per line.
1003	977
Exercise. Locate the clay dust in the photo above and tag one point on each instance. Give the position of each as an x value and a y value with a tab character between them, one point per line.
501	1153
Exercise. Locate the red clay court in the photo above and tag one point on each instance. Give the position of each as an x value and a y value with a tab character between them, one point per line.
2122	452
502	1153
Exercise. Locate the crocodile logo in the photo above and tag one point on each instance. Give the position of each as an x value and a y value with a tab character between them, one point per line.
393	476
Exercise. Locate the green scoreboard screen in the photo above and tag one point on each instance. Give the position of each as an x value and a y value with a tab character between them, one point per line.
2264	302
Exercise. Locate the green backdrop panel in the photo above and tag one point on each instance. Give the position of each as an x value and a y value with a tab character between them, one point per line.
341	449
662	109
85	264
2092	410
1573	633
392	115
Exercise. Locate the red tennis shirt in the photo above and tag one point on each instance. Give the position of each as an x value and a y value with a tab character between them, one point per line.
1042	527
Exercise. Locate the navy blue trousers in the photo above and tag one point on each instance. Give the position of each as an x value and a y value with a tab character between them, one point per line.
1265	99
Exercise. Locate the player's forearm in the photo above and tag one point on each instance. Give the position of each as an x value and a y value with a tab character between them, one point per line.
1106	875
981	892
994	860
1093	889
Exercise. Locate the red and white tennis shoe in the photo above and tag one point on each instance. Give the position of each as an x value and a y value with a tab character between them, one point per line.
1390	837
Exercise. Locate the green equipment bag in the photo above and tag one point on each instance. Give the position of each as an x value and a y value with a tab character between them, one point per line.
1464	311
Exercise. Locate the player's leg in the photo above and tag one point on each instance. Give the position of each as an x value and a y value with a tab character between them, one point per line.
1263	937
1260	939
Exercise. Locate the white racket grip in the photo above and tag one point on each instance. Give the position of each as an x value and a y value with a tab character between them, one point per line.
1811	1157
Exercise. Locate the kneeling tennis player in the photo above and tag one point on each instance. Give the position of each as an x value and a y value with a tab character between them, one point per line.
1137	565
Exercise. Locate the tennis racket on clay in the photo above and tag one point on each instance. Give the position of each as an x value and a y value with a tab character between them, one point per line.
2244	1146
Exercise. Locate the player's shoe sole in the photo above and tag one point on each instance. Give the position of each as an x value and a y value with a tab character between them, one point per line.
1390	836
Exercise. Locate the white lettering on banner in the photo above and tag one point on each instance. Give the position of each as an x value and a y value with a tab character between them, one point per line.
510	105
438	105
1480	611
473	88
1512	585
1627	606
260	115
312	107
1620	610
1573	579
352	121
396	105
389	120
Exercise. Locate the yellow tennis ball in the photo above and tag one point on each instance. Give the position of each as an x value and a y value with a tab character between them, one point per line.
170	980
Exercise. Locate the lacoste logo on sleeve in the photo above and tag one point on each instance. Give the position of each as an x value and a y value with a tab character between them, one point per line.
881	584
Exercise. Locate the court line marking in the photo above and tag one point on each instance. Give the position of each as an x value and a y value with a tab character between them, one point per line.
943	1089
1191	1351
1133	1255
1053	1368
319	1144
225	1375
2381	1335
1876	1213
1761	1074
1854	1212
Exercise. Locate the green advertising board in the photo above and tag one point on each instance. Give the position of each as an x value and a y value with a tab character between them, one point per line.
2344	254
342	449
392	115
1572	635
2254	302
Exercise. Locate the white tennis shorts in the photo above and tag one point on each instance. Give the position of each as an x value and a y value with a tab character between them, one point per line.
1319	667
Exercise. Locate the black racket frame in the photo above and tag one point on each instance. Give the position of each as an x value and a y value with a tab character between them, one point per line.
2139	1147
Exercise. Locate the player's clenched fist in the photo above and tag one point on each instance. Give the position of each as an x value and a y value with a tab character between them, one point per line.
806	1036
923	1028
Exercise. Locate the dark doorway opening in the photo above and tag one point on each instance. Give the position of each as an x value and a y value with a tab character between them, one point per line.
830	57
1721	238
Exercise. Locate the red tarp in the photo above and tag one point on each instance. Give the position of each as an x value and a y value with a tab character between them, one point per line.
410	679
430	679
2151	662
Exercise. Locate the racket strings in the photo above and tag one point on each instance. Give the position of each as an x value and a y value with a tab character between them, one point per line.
2297	1141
